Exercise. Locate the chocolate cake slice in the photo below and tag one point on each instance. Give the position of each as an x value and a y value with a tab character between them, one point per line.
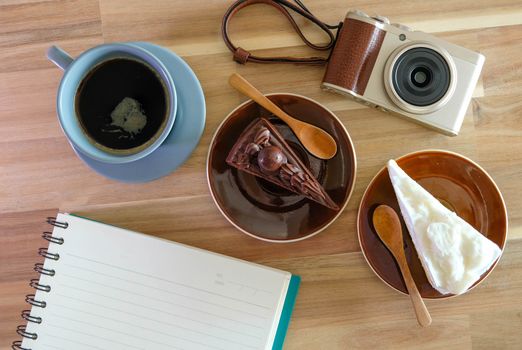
261	151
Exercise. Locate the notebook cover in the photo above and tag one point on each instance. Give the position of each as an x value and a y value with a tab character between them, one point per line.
288	307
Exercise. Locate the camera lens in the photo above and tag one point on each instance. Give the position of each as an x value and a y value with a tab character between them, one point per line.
421	76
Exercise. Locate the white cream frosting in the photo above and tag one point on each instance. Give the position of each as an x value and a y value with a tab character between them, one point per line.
454	255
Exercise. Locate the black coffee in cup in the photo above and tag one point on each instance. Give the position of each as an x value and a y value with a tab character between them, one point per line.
122	105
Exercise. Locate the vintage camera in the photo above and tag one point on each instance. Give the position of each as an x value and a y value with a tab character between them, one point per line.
408	73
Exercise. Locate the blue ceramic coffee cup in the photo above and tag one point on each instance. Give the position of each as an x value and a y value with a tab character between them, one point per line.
75	70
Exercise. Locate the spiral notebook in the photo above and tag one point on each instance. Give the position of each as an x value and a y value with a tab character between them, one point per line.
103	287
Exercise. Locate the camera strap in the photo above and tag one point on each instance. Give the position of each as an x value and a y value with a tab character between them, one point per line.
243	56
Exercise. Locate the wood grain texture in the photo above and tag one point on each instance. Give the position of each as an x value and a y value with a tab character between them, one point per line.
341	303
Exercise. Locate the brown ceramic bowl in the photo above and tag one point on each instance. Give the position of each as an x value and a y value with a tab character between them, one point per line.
459	183
266	211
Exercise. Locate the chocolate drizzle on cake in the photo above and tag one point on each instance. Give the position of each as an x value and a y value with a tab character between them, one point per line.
263	152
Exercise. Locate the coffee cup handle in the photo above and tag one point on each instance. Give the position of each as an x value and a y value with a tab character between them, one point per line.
59	57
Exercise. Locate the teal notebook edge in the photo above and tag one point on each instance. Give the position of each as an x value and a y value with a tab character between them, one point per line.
288	307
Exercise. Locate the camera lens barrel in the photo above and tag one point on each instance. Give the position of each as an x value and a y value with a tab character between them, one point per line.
421	76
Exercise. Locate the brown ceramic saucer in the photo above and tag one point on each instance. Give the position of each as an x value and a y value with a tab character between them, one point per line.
459	183
266	211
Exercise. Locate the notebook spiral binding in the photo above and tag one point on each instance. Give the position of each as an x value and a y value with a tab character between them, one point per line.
35	283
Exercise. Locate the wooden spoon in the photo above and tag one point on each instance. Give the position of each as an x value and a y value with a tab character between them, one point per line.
388	227
317	141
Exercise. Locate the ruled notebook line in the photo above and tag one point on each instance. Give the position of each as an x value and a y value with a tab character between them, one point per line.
155	288
145	306
242	285
61	327
49	346
90	346
137	336
166	280
150	319
161	311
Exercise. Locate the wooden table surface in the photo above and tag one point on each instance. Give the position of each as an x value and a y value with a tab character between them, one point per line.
341	304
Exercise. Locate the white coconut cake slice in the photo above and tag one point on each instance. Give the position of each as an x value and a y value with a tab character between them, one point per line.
453	254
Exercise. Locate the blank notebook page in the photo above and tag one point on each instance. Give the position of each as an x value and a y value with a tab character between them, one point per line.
117	289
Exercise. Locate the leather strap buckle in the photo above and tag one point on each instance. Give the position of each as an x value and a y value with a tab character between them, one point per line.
241	55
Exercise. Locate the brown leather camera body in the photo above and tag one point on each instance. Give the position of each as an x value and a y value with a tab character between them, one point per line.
354	55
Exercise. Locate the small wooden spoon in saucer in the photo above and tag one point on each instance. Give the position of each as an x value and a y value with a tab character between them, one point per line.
388	227
317	141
